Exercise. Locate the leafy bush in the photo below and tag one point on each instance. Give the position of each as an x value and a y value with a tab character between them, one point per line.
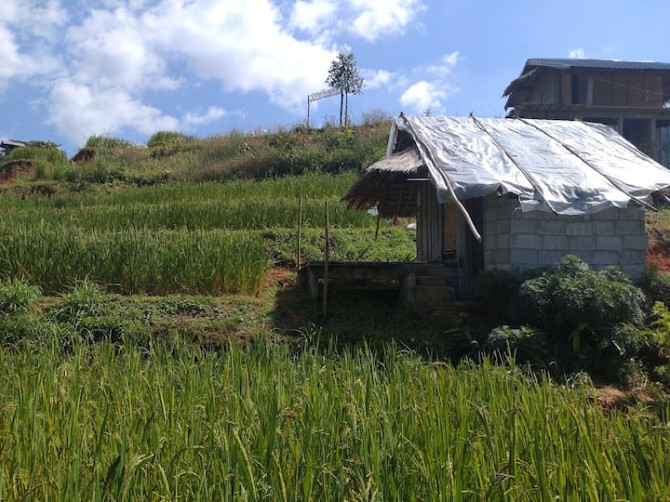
575	297
660	332
17	296
85	300
526	345
656	286
594	316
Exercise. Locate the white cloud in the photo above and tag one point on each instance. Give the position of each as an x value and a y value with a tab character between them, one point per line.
78	112
116	56
577	53
445	66
312	16
423	96
213	114
106	60
375	79
23	28
430	91
374	19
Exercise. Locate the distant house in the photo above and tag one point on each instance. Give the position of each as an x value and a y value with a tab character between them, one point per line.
633	97
513	194
8	145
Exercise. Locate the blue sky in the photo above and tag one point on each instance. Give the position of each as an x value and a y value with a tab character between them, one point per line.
70	69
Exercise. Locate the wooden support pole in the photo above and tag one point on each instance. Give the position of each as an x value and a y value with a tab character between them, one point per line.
299	257
326	259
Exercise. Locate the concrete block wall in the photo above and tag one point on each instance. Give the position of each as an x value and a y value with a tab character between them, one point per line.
539	238
496	232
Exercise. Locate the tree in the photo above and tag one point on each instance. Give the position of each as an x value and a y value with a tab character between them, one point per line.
343	76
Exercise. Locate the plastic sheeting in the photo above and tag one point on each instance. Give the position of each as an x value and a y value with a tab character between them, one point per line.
567	167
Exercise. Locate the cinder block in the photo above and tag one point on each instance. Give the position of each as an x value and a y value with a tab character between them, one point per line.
579	243
578	228
526	226
609	243
585	256
629	227
500	256
634	241
490	241
605	227
613	213
551	258
634	271
518	257
633	257
503	241
500	226
526	241
605	258
552	227
555	243
503	266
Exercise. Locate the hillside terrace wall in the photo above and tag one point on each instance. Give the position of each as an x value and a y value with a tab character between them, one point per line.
516	240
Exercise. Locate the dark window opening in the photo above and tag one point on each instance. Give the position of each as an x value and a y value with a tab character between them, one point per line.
574	87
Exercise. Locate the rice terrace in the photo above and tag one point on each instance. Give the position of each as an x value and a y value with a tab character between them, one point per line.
157	340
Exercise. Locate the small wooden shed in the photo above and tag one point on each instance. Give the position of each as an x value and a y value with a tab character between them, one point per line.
514	193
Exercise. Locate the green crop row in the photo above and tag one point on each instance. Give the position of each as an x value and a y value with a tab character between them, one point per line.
263	423
203	214
133	260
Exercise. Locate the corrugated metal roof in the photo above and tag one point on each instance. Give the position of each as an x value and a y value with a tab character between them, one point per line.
596	63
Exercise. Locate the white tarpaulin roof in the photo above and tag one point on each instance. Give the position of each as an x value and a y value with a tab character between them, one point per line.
568	167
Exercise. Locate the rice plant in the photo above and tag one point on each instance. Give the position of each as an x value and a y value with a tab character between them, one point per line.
264	423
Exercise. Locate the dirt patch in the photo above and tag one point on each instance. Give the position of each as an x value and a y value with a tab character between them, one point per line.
279	278
658	253
611	398
18	171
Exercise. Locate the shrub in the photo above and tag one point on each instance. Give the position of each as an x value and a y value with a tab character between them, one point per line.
526	345
575	297
660	332
17	296
594	316
656	286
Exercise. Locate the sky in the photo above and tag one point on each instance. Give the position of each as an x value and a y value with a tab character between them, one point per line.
71	69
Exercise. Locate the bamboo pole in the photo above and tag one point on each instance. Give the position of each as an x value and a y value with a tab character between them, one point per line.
326	256
299	258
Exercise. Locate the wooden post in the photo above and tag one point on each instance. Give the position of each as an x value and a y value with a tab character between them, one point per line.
299	258
326	259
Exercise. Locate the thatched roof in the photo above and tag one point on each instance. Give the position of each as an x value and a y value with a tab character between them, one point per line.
385	184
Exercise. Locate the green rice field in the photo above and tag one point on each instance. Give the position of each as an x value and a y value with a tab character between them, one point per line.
146	355
208	238
269	423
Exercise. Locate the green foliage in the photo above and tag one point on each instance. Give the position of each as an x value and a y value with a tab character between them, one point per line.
84	300
92	422
656	286
575	297
525	345
104	144
17	296
592	317
660	332
343	75
43	157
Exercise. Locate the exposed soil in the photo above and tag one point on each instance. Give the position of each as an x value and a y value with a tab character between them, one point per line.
10	177
658	253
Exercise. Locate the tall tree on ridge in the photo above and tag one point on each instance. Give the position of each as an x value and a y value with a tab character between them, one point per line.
343	76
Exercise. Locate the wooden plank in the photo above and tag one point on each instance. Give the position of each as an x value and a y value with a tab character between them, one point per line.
566	96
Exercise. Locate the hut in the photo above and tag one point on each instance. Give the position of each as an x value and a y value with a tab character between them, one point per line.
504	194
